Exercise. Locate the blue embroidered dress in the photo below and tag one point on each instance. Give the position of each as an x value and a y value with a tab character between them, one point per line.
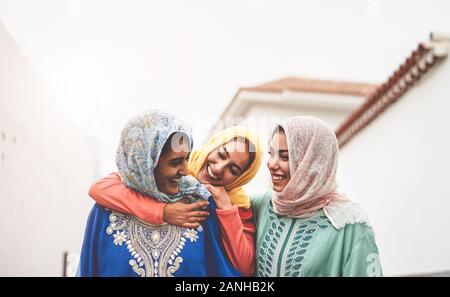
116	244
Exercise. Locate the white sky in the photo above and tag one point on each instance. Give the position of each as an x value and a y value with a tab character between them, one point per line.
103	61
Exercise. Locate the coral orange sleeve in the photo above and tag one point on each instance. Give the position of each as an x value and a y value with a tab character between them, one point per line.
238	237
111	193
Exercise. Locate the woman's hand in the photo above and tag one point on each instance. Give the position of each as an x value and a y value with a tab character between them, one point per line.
220	196
184	214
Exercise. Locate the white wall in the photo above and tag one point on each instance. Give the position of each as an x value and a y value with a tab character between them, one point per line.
398	169
46	167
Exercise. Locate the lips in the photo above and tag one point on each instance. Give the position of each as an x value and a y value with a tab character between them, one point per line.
210	174
174	181
277	178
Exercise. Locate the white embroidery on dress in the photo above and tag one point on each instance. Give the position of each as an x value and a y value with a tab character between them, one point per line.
191	234
119	237
175	266
155	248
136	268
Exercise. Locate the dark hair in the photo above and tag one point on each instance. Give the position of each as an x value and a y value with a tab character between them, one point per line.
251	151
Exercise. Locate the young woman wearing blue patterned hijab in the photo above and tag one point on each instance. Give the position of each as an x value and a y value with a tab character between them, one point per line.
152	159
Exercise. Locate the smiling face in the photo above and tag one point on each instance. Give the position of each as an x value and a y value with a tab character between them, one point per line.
278	162
172	164
226	163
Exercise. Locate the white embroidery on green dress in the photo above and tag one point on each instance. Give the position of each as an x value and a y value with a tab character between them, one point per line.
155	248
277	257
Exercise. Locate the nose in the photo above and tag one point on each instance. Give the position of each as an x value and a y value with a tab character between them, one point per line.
272	163
219	167
183	171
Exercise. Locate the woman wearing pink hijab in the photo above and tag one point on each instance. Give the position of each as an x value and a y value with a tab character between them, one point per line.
305	227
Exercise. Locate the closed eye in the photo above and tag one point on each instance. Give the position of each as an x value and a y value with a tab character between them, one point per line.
221	155
284	155
176	162
235	170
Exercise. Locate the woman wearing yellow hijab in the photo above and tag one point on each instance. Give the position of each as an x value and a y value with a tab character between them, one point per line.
224	164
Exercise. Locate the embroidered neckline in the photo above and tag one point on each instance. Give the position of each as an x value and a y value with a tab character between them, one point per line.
155	249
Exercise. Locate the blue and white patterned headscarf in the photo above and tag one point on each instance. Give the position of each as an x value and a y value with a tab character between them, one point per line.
141	143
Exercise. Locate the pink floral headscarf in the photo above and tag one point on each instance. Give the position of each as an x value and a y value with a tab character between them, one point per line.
313	158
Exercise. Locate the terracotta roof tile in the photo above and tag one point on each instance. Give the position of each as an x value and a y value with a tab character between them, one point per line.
315	85
415	66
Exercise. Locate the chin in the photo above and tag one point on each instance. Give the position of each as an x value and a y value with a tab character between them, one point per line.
172	191
202	179
278	188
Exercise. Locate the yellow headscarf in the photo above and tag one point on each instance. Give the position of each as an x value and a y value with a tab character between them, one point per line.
198	157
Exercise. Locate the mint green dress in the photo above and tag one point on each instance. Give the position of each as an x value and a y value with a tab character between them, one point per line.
312	246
